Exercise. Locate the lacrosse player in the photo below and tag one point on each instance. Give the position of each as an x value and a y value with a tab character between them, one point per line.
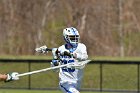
9	77
71	51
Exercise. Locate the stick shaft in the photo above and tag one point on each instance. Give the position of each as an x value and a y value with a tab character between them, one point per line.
49	49
50	68
41	70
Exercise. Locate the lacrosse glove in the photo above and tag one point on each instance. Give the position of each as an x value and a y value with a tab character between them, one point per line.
12	76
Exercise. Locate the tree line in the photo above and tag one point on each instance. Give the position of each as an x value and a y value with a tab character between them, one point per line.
107	27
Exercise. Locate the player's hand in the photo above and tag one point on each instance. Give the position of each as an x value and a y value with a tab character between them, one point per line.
80	64
76	65
41	49
12	76
66	53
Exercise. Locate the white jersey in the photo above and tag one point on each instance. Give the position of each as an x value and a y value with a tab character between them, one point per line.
71	74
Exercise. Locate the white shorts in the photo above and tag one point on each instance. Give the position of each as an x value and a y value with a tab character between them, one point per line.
69	87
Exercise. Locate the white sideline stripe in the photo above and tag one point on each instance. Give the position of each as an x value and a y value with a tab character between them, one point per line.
51	68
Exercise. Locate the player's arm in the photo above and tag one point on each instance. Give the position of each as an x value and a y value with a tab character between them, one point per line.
9	77
3	77
81	55
55	53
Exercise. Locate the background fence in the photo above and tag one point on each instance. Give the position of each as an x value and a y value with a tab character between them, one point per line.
100	75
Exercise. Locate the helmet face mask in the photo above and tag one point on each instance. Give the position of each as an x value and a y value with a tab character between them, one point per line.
71	36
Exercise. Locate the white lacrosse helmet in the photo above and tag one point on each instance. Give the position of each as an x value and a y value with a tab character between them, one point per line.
71	36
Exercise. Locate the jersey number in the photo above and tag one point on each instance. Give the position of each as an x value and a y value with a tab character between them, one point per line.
68	69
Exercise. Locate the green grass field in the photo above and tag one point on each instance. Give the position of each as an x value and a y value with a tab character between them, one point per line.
121	77
37	91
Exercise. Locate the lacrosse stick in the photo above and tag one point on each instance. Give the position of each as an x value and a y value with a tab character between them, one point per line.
43	49
52	68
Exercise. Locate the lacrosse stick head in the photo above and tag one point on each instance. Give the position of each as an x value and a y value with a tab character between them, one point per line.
41	49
